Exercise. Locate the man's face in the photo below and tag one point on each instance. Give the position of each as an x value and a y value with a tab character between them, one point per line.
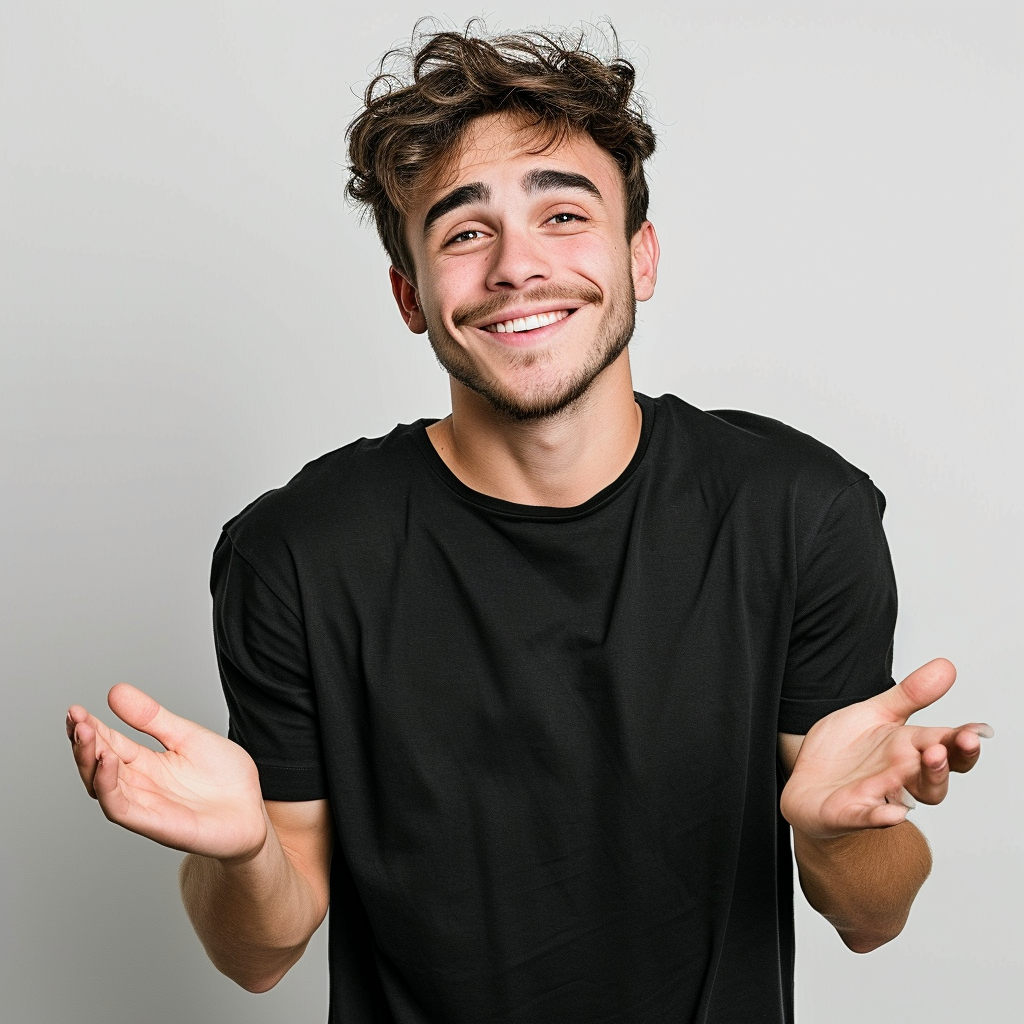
525	280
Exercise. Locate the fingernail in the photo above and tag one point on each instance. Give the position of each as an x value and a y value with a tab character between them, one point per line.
907	800
984	731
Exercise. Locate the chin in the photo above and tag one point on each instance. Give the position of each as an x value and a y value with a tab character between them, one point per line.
541	401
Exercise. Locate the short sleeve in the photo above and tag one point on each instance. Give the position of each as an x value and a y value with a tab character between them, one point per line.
264	668
840	648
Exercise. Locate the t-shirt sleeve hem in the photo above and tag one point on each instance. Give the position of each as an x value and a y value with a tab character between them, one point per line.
285	783
797	716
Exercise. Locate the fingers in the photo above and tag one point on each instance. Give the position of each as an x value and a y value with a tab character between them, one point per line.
922	687
105	777
886	799
885	815
107	785
141	712
104	758
943	751
964	745
932	783
89	738
860	806
82	734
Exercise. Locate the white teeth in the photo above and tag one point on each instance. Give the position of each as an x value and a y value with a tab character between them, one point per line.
528	323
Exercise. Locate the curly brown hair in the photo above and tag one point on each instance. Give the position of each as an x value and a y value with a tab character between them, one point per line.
412	123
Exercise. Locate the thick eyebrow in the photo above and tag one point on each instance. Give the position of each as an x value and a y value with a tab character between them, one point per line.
474	192
539	180
550	181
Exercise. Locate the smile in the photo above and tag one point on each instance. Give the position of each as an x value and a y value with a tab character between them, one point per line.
528	323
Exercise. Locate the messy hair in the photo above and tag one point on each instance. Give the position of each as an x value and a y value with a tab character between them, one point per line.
423	97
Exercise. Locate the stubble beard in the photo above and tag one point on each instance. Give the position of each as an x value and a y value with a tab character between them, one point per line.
614	333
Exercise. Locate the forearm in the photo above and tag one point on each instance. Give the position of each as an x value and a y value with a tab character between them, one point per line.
864	883
254	918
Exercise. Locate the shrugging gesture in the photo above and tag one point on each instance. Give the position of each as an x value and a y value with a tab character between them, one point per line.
199	795
856	767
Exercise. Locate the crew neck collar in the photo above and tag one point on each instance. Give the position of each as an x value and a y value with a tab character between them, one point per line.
511	508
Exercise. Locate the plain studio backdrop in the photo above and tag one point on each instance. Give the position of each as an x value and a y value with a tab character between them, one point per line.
190	313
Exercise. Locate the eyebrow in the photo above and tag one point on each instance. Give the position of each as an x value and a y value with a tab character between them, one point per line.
474	192
550	180
533	181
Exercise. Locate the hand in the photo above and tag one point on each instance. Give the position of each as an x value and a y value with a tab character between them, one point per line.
200	795
857	765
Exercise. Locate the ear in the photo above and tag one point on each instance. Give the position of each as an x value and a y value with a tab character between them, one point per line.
405	295
644	253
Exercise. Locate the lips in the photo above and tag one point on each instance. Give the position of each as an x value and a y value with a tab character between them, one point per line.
517	325
515	312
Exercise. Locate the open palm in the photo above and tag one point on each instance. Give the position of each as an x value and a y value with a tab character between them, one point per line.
199	795
857	765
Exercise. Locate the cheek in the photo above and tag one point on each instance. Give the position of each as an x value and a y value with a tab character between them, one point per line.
593	257
453	284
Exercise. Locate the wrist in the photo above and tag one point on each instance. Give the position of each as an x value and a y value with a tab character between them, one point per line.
826	838
257	849
900	843
244	851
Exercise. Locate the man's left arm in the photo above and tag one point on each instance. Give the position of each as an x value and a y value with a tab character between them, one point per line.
863	883
850	783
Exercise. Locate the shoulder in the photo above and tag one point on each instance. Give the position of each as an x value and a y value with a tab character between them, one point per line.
745	443
734	454
330	497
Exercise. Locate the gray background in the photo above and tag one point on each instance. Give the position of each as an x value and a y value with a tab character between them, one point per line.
190	313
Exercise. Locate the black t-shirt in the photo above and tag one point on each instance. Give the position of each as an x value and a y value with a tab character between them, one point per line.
548	735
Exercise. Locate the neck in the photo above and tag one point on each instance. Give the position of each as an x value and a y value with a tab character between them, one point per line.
558	461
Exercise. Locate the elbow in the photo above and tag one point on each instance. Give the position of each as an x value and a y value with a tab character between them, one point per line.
866	931
868	941
254	974
252	981
258	985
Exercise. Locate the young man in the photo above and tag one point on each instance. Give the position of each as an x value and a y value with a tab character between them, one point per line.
517	691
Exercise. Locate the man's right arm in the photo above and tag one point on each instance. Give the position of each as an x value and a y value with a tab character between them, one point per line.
256	882
256	916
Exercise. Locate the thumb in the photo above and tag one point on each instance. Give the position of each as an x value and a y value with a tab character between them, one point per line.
142	712
922	687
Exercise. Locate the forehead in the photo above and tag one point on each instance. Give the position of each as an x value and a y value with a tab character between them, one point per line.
497	147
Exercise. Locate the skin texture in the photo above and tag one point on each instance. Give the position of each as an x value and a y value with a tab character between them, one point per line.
526	242
256	918
256	883
551	419
861	862
546	418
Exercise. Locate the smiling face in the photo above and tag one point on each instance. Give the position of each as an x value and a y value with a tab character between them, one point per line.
525	280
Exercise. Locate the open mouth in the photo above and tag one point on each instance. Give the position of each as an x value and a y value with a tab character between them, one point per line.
528	323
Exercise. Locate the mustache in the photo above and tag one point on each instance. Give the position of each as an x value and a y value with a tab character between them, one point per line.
488	311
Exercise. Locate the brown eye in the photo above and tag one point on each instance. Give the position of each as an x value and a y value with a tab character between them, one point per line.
464	236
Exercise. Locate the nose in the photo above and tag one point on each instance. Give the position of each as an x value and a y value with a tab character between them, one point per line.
517	260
